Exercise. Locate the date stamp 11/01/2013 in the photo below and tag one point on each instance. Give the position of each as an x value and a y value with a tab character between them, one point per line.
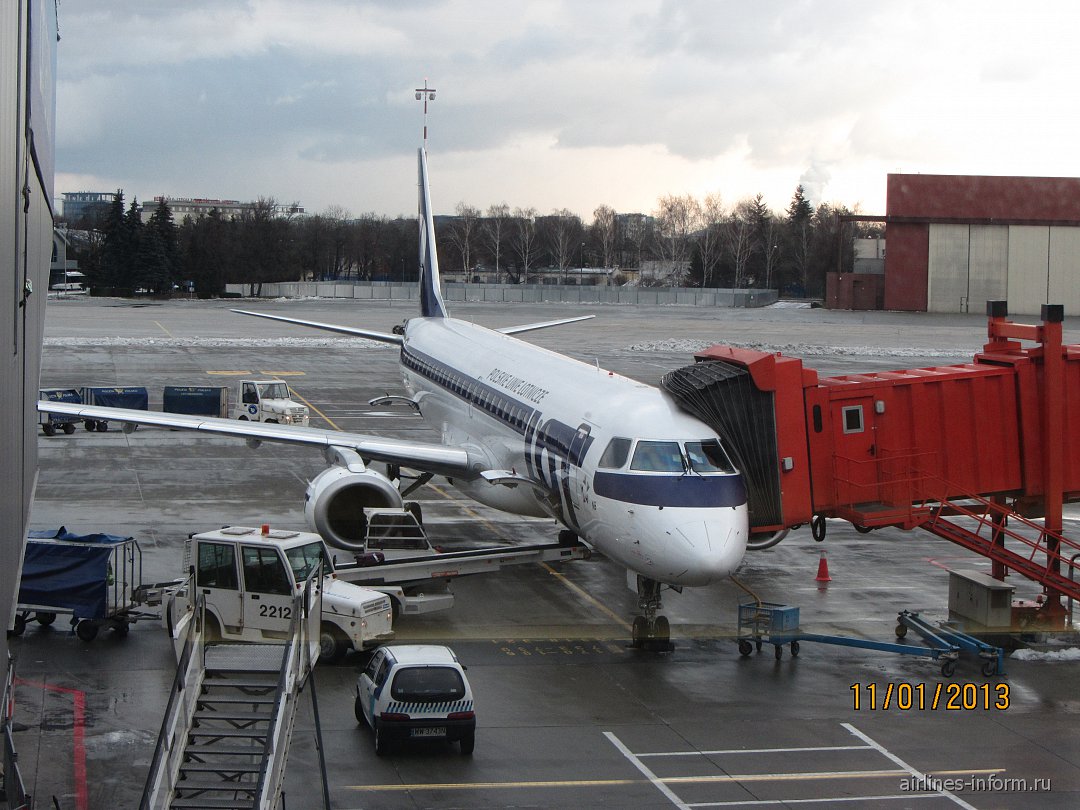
953	697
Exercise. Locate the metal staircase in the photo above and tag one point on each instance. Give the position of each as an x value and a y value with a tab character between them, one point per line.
224	741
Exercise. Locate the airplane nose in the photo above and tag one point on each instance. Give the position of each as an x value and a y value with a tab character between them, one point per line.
718	547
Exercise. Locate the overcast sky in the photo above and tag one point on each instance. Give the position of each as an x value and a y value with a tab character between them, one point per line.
559	104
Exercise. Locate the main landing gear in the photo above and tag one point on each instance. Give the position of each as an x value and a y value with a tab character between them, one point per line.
650	632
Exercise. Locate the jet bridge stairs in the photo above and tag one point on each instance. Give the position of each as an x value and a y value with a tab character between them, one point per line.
224	741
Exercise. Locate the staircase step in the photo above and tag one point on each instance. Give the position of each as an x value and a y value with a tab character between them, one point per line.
210	803
238	683
238	717
227	732
210	750
219	767
237	699
207	785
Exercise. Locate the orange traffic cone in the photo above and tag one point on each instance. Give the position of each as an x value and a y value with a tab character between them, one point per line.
823	569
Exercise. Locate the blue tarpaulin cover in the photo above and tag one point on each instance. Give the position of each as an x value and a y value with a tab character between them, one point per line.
69	575
117	397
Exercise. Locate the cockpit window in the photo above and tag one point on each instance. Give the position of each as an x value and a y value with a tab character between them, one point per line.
615	454
658	457
708	456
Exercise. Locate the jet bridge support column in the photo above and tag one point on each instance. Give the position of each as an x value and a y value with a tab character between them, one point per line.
1052	413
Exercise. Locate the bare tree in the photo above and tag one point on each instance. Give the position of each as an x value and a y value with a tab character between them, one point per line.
603	229
739	240
676	219
523	239
564	236
710	237
771	235
463	233
492	230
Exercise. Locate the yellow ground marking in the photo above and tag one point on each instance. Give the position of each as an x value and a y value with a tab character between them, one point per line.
313	408
163	329
575	588
725	778
231	373
283	373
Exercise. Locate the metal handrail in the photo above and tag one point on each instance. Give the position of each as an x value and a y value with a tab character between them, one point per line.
153	787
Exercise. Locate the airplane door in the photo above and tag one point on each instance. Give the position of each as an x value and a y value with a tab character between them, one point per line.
857	466
217	580
268	597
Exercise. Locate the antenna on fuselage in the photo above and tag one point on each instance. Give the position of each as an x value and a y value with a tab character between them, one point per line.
426	94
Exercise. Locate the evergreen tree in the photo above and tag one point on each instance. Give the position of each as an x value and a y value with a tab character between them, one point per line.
131	231
162	225
112	257
798	241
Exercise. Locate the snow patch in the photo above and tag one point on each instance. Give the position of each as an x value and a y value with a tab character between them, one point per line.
686	346
216	343
1071	654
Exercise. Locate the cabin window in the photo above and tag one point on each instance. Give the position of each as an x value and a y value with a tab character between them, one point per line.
658	457
217	566
853	419
817	419
615	454
708	456
264	572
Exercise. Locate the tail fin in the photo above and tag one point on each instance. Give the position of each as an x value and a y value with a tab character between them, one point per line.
431	302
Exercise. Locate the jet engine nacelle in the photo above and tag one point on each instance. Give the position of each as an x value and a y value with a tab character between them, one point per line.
336	500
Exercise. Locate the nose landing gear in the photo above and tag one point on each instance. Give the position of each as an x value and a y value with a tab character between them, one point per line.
650	631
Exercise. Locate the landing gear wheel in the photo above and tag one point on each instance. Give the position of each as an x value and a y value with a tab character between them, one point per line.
818	527
948	668
45	618
86	630
48	430
779	651
468	743
331	644
901	630
794	649
663	630
637	637
68	428
990	667
745	648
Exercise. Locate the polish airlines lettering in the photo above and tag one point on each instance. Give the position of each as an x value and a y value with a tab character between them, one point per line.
516	385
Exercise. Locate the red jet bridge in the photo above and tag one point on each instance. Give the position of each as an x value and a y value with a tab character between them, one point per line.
971	453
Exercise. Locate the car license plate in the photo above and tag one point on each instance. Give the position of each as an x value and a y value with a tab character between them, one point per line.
430	731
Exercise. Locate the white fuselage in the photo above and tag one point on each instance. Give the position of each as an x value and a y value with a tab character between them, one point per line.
548	418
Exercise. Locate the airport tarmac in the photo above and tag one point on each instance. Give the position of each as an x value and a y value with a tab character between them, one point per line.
568	714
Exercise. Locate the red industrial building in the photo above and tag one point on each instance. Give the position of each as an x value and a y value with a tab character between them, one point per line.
956	242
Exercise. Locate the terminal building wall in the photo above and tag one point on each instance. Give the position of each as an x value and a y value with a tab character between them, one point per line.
956	242
27	93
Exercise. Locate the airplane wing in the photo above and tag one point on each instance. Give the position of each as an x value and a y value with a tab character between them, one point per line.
382	337
528	327
423	456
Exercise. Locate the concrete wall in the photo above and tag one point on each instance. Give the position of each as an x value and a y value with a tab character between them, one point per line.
520	294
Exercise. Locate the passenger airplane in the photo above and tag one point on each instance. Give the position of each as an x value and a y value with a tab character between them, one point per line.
527	431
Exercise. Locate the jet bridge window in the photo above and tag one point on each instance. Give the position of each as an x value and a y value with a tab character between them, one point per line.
615	454
658	457
853	419
708	456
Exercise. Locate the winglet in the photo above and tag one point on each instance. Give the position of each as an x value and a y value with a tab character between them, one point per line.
431	302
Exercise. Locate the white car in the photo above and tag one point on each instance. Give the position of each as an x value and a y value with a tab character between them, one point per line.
416	692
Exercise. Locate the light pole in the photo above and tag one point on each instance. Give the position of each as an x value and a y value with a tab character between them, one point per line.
426	94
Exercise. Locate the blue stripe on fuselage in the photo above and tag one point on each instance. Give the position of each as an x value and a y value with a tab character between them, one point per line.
671	490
